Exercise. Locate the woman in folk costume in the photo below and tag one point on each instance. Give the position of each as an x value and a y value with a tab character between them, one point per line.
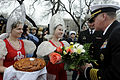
11	48
57	27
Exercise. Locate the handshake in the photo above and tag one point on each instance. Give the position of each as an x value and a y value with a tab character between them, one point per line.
86	66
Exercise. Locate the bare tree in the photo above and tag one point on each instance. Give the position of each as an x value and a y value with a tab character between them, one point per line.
55	6
69	11
88	4
58	5
27	17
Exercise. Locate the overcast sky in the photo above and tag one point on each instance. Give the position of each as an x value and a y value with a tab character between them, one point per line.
38	13
117	1
40	9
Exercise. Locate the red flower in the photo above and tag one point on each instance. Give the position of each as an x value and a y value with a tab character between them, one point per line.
54	57
69	50
59	49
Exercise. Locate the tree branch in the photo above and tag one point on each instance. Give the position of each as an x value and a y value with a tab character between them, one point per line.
27	17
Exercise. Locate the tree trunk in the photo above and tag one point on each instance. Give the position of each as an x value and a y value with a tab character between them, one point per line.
27	17
75	22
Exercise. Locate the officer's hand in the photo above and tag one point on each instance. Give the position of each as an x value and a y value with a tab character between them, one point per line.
86	66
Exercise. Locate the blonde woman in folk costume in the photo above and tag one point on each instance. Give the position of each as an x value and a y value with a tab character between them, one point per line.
57	27
11	48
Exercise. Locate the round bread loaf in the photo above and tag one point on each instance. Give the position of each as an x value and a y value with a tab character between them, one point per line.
29	64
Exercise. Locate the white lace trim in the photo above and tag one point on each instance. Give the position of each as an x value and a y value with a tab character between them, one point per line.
46	48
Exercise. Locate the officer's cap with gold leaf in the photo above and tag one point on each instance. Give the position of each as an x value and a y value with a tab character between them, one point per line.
97	9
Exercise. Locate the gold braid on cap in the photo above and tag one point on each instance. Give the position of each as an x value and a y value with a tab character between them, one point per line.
96	13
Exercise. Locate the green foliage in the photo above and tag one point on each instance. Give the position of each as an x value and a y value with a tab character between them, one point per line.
75	60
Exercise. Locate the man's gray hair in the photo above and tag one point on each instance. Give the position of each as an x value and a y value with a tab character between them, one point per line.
111	14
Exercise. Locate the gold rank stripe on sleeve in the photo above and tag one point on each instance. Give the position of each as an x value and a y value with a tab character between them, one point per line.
96	63
93	74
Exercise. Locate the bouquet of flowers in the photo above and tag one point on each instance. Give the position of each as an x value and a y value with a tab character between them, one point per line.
73	56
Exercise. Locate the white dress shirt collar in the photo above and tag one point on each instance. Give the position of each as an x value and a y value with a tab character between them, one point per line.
106	29
92	31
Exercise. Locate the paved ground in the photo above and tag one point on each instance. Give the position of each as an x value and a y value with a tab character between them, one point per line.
69	75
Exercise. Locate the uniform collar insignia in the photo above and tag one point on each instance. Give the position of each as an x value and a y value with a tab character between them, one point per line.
84	37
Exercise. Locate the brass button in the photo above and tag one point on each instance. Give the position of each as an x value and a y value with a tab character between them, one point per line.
101	57
99	78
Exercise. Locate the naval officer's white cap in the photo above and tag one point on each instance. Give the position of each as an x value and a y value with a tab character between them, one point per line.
100	8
